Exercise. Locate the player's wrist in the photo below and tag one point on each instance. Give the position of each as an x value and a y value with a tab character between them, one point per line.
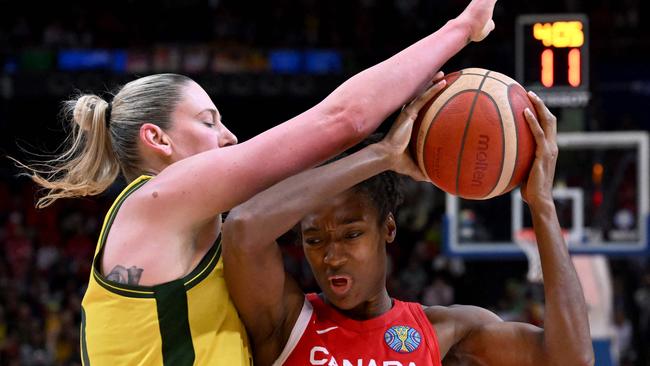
462	25
388	158
542	206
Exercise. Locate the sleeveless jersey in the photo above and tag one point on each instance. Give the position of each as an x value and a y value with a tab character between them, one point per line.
189	321
403	336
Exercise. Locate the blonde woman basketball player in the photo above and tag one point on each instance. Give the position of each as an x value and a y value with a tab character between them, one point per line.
156	295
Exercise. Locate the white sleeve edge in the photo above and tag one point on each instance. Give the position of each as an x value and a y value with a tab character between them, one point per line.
296	333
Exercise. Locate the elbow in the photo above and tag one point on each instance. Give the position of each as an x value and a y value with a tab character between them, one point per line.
588	359
236	231
586	356
348	122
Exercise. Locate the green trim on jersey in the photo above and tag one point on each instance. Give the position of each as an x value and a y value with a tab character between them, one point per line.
171	303
84	347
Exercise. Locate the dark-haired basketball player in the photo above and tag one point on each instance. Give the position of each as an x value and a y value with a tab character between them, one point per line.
346	220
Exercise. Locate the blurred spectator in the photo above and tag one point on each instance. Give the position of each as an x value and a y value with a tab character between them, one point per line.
642	300
438	292
412	279
512	306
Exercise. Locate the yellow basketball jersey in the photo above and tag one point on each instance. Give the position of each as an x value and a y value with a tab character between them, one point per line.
189	321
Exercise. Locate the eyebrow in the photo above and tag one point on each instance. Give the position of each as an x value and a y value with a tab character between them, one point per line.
345	221
212	111
351	220
311	229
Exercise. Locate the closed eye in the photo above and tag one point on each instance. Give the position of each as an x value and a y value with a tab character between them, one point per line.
312	241
353	234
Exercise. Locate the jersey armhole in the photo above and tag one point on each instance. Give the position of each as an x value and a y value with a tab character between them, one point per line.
296	333
428	329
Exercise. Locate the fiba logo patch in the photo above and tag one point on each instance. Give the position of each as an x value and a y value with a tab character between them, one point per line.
402	338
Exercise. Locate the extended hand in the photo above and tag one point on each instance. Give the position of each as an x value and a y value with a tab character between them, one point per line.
399	136
478	16
537	188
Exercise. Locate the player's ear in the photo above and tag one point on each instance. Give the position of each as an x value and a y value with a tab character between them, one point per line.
391	228
154	138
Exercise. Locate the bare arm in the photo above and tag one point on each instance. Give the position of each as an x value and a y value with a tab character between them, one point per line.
267	299
566	327
207	184
565	340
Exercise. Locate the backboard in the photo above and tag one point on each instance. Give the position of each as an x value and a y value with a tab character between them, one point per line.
601	195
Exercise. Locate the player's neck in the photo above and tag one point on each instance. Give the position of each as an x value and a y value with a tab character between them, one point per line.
371	308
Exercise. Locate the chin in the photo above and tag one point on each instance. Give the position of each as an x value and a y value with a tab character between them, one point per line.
346	302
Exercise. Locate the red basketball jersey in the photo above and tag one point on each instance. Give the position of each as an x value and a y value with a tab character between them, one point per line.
403	336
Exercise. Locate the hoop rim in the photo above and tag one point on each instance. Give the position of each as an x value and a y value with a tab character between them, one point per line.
527	235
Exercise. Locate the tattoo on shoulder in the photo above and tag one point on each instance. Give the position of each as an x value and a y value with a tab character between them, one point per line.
129	276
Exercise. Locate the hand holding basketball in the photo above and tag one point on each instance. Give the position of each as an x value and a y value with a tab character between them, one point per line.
398	138
537	188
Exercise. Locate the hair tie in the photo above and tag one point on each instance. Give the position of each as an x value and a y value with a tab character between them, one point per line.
107	114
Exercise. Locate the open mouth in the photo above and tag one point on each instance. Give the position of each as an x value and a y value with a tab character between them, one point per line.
340	284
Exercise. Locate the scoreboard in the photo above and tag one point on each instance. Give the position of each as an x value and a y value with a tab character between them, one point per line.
552	57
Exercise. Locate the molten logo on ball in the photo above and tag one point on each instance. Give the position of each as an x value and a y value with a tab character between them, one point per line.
481	163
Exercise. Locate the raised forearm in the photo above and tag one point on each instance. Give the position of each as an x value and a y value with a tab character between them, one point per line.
349	114
359	105
382	88
566	328
272	212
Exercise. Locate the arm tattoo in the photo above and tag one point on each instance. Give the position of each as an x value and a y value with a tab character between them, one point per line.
129	276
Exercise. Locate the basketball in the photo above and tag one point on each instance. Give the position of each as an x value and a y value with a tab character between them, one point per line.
472	139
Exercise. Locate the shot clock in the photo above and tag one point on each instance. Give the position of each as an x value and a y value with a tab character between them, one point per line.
552	57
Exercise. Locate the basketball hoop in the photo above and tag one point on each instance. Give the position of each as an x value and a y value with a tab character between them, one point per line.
527	241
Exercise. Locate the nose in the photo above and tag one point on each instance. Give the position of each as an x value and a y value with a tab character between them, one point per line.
335	255
226	138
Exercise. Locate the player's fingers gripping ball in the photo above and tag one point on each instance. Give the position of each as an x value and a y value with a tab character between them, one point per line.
472	139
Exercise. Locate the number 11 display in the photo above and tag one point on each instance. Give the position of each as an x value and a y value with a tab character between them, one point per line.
552	54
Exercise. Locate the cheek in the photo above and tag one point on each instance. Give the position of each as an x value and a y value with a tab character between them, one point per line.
212	143
207	139
312	258
203	141
315	258
371	256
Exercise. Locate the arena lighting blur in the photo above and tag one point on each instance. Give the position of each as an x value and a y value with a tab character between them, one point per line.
552	57
293	61
281	61
92	59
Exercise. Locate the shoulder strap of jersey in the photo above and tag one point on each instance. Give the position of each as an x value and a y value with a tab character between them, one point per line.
110	215
428	330
296	333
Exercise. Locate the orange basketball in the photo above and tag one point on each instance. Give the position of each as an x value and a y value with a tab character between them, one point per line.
472	139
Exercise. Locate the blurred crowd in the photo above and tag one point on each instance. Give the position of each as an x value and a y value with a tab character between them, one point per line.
45	259
365	30
283	23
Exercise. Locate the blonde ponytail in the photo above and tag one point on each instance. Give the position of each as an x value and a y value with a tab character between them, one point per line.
98	150
87	166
